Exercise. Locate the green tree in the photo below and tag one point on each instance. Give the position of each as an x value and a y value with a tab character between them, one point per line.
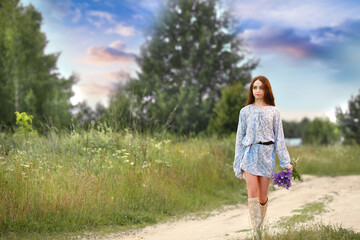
191	52
294	129
226	112
24	124
290	129
349	121
118	115
322	131
83	115
29	80
8	80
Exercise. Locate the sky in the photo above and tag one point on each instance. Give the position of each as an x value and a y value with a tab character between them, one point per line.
309	50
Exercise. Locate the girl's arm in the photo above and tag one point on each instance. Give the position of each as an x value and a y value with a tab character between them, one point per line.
239	147
280	146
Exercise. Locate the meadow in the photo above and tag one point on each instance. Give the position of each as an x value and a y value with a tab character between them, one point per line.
74	181
317	231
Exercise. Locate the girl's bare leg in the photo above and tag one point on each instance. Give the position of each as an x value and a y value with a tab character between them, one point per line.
252	183
263	188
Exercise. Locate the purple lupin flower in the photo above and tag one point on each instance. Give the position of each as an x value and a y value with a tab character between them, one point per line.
283	179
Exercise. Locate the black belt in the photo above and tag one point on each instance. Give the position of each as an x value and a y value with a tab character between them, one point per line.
266	143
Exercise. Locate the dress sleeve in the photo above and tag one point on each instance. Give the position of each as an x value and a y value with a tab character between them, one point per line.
239	147
280	147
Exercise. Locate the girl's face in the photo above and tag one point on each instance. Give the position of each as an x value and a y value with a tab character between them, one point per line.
258	90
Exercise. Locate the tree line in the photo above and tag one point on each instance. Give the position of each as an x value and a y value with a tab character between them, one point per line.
29	80
193	65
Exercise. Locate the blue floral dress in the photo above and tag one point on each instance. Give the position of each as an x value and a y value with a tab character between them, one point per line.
257	125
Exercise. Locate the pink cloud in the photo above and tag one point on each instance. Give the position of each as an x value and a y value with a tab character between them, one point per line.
121	76
275	39
109	54
96	86
118	45
122	30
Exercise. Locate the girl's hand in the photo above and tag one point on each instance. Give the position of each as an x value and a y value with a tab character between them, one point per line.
290	167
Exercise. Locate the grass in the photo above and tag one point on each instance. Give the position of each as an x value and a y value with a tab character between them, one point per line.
317	231
295	228
72	182
335	160
305	213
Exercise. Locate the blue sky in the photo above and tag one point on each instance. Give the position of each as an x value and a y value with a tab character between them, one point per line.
309	50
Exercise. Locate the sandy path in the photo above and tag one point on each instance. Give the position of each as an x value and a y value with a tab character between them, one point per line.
232	222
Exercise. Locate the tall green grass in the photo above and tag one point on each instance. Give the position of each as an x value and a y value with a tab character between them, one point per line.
317	231
71	181
332	160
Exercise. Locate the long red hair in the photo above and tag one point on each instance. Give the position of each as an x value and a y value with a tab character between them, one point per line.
268	95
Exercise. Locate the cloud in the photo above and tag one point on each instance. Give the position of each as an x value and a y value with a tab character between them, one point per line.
118	45
322	42
77	15
115	52
99	18
95	85
101	14
344	30
151	5
121	76
304	14
122	30
138	16
273	38
109	54
52	10
100	88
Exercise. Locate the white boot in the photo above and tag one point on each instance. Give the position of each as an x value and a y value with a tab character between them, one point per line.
255	215
263	209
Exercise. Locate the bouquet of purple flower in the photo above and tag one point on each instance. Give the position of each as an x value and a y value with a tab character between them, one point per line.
283	178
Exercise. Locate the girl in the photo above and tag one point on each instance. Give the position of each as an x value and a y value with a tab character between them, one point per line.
259	135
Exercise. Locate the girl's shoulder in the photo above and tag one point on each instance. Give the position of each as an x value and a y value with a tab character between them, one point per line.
275	111
245	109
274	108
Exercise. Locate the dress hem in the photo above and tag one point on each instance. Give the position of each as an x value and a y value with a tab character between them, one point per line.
241	174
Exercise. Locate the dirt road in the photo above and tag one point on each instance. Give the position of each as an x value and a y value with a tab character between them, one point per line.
340	196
